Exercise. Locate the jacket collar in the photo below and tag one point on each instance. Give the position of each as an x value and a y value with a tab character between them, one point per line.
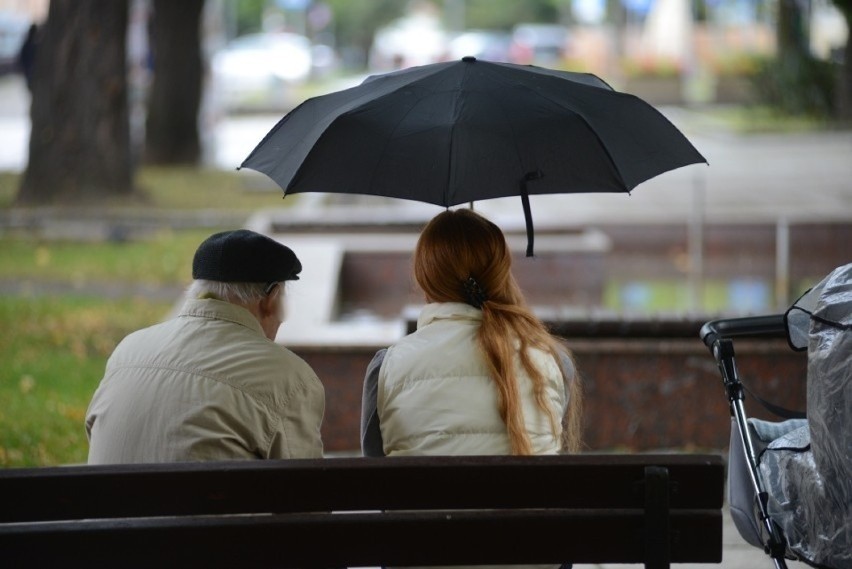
221	310
447	311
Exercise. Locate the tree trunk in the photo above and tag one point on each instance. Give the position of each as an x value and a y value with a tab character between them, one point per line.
171	131
80	138
791	35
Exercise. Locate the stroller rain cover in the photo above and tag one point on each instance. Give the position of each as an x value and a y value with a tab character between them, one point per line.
808	471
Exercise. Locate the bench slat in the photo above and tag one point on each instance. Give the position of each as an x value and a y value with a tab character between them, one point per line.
575	481
309	540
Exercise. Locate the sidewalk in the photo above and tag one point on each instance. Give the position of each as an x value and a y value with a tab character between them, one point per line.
736	554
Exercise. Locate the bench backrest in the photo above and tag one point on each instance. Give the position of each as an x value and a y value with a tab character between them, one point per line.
423	510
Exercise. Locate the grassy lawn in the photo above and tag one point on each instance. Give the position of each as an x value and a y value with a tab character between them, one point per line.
55	349
755	119
184	188
54	359
163	259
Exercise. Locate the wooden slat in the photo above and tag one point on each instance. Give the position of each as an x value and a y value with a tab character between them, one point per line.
360	539
577	481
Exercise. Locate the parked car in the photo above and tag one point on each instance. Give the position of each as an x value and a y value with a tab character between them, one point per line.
490	45
417	39
260	71
539	44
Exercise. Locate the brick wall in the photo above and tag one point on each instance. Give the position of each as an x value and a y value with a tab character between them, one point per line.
640	394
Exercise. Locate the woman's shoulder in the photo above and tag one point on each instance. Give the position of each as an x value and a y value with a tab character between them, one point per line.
566	363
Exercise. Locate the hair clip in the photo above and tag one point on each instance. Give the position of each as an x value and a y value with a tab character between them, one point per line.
475	295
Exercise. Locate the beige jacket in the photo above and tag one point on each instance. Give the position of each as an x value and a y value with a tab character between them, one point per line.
436	397
207	385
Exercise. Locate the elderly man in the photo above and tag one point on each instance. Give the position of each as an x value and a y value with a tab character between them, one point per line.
211	384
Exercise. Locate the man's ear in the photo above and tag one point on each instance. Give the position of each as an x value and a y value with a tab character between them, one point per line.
268	304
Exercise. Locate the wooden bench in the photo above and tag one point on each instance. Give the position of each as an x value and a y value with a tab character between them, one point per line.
339	512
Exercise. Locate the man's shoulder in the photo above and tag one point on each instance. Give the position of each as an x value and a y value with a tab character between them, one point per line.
143	335
289	358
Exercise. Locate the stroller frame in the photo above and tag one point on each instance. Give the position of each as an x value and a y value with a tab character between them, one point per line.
718	336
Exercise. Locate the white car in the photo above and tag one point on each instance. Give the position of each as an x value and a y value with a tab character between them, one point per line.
490	45
260	70
540	44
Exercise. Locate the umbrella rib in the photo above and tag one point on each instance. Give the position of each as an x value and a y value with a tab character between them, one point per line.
597	136
578	114
374	173
594	131
452	138
375	170
520	84
514	138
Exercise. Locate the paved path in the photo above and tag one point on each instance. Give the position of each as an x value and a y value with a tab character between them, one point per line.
736	554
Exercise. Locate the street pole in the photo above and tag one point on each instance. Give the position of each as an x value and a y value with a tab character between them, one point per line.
696	244
782	263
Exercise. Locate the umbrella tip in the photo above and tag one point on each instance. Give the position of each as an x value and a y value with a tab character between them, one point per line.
468	59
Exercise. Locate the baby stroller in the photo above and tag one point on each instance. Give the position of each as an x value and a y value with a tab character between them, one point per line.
790	482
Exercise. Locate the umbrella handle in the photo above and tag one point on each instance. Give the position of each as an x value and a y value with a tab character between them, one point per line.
525	201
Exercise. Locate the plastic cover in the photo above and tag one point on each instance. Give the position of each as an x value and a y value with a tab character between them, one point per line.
808	472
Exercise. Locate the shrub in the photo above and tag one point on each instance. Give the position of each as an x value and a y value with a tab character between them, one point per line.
797	85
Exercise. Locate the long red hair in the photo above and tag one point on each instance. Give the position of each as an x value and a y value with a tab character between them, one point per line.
459	244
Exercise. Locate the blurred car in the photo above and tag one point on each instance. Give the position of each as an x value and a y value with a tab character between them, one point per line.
417	39
260	71
539	44
490	45
324	60
13	31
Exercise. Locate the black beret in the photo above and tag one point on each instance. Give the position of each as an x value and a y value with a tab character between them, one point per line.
244	256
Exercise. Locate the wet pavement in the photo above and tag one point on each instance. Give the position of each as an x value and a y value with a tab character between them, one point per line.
736	554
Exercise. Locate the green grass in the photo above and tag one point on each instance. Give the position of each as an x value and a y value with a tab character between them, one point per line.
183	188
54	352
204	188
667	296
755	119
163	259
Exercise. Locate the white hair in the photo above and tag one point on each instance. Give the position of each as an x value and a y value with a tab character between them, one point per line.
242	293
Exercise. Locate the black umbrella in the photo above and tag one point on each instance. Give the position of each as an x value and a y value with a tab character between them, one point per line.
463	131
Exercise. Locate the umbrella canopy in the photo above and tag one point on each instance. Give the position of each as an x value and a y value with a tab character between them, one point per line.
468	130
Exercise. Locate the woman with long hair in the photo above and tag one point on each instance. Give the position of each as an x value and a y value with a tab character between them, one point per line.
481	375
